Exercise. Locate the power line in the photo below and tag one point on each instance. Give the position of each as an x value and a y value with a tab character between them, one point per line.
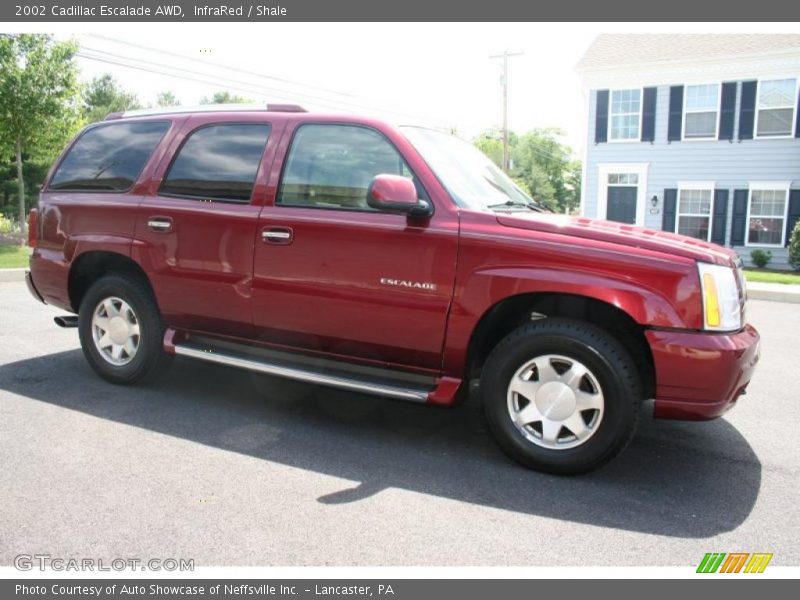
135	67
292	93
136	63
216	64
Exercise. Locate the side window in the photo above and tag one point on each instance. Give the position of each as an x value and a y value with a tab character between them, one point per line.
218	162
108	157
331	166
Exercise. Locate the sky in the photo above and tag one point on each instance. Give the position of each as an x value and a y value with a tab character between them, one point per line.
434	74
437	74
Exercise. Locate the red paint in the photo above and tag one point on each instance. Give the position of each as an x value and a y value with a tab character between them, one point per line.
393	190
700	376
331	289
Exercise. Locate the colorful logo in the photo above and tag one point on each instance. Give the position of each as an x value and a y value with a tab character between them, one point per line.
734	562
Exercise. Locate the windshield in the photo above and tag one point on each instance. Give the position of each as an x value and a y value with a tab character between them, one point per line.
467	173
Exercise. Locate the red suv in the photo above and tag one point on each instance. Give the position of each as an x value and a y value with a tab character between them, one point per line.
398	262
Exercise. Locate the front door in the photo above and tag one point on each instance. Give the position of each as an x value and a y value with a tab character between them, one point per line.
621	204
336	277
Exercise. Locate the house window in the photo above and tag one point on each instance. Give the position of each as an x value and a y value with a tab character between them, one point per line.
766	214
695	205
625	115
776	107
623	179
700	111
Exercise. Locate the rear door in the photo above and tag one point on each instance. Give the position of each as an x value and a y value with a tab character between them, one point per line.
195	232
335	276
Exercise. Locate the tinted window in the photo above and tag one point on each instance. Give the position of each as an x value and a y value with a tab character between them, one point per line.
108	157
218	162
331	166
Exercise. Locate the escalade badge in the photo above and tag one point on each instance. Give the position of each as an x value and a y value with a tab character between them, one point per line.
420	285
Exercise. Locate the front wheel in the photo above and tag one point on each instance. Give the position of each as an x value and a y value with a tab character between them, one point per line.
561	396
121	331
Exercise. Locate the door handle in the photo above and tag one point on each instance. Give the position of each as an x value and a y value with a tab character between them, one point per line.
160	224
277	235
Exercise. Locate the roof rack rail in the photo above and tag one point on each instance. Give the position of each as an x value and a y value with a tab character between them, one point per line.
144	112
285	108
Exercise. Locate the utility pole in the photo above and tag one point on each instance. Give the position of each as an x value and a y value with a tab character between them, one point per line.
504	81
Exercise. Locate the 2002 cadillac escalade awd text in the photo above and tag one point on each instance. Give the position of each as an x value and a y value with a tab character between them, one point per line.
391	261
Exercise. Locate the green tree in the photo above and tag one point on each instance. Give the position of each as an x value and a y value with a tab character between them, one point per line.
38	100
225	97
491	144
794	247
167	99
540	164
545	165
574	181
103	96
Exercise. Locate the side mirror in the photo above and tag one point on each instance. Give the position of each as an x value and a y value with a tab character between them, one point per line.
394	193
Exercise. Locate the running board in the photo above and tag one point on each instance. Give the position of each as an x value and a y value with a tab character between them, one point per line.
411	394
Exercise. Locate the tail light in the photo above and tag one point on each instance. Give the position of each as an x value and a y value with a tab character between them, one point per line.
33	227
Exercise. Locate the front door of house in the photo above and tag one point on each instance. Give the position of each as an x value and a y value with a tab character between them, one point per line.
621	205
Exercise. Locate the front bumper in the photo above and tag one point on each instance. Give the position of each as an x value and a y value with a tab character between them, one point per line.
700	376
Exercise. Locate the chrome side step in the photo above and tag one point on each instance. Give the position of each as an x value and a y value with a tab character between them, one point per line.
300	374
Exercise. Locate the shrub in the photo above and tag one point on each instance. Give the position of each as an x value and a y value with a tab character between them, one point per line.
7	225
794	247
760	257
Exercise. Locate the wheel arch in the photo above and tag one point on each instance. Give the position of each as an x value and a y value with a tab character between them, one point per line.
510	313
91	265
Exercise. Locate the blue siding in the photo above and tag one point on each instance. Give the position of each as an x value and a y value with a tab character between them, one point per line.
732	165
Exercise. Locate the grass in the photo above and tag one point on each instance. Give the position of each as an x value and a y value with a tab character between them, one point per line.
13	256
762	276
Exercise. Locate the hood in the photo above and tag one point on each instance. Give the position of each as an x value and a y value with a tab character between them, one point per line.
622	234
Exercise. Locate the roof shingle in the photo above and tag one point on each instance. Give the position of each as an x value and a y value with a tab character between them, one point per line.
613	50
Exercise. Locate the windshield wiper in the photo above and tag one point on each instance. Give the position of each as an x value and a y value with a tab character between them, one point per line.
512	203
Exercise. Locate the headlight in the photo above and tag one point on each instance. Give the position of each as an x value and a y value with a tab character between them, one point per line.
721	308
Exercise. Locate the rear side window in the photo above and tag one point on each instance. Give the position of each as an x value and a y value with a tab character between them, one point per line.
108	157
218	162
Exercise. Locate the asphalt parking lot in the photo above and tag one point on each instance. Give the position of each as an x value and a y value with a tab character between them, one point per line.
230	468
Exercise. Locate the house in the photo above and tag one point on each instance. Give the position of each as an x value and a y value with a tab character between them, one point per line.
696	134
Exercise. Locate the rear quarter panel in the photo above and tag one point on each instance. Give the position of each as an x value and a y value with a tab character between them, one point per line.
72	223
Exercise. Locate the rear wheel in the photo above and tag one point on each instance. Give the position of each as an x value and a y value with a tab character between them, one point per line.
121	331
561	396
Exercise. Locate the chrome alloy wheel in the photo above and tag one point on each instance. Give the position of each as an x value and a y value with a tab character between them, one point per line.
555	402
115	331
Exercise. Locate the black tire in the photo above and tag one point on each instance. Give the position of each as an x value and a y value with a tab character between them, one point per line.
609	363
150	360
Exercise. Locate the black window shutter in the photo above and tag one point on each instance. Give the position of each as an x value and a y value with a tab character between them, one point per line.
747	110
727	111
649	115
670	205
793	216
797	119
601	117
719	217
675	113
739	221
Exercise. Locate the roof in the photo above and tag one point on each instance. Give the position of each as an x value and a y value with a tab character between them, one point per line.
615	50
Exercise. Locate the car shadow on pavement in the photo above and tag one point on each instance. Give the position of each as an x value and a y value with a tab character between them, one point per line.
677	479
